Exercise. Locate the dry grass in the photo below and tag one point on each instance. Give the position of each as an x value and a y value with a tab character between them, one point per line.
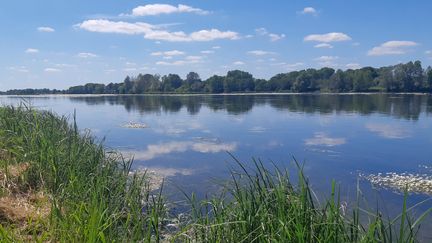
22	208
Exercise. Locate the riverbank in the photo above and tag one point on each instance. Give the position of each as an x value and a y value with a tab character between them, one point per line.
221	94
61	185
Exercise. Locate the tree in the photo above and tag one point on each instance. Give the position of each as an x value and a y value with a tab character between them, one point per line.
261	85
192	83
171	82
283	81
145	83
239	81
363	79
192	77
429	78
127	85
407	77
215	84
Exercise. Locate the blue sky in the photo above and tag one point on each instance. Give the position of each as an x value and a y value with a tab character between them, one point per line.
59	43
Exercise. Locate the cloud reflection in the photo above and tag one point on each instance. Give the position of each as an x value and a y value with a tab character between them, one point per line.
155	150
322	139
257	129
167	172
388	131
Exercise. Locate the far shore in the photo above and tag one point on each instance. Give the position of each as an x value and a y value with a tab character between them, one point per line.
220	94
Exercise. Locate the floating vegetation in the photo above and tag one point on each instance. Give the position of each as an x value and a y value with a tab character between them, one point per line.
135	125
414	183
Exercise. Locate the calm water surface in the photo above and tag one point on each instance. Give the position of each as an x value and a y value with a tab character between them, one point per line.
338	136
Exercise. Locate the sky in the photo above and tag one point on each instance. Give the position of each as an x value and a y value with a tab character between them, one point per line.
60	43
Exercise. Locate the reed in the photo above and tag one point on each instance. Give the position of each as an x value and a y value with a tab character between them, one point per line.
92	194
263	205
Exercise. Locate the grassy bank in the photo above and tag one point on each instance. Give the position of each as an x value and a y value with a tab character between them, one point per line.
58	184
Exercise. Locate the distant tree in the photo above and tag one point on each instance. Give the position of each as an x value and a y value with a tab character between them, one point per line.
215	84
283	81
127	85
363	79
192	83
340	82
408	77
261	85
239	81
171	82
302	82
429	78
192	77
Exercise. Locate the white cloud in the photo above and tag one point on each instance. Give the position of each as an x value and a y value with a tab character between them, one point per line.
392	48
155	150
322	139
20	69
276	37
86	55
157	9
45	29
238	63
186	61
353	66
216	47
327	61
260	52
168	53
207	52
120	27
328	37
294	65
309	10
323	45
273	37
31	51
326	58
261	31
193	58
388	131
213	34
153	32
52	70
429	53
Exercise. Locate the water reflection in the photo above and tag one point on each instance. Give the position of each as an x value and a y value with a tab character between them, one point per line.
389	131
322	139
155	150
400	106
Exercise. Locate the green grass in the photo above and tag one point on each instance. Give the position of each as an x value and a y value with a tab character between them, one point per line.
259	205
94	196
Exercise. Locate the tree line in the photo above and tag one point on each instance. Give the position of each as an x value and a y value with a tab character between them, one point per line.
408	77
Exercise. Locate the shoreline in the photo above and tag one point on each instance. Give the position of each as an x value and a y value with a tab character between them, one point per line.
221	94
